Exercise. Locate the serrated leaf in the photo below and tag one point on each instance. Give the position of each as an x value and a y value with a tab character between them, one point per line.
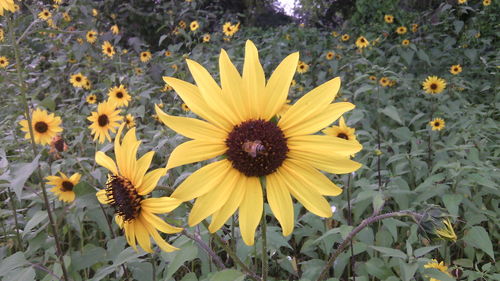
479	239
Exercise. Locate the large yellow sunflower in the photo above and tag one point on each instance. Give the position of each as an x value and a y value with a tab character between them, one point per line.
104	120
7	5
119	96
341	131
45	126
240	124
434	85
126	190
63	186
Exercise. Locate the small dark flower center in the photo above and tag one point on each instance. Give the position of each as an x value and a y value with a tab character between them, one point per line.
256	148
119	95
41	127
103	120
59	145
362	40
67	186
109	50
343	136
78	78
124	198
436	124
434	86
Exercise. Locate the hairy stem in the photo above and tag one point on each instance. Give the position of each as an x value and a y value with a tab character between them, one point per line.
205	247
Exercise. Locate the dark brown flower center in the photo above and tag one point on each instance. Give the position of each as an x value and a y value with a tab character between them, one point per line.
362	40
434	86
436	124
103	120
124	198
119	95
59	145
256	148
41	127
108	49
342	136
67	186
78	79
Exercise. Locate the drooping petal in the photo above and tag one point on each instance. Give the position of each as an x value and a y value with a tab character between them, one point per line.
130	234
323	145
202	181
150	181
222	215
232	89
251	210
192	128
212	201
195	151
279	84
311	103
158	223
142	235
190	94
311	178
336	165
160	205
308	197
106	161
318	120
159	241
142	167
254	80
280	201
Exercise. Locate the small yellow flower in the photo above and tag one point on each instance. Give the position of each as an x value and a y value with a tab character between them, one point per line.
335	34
91	36
66	17
91	99
455	69
63	186
119	96
87	85
462	2
384	81
108	49
185	107
486	2
4	62
95	13
405	42
168	53
138	71
345	37
389	18
78	80
194	25
230	29
414	27
437	124
372	77
182	24
302	67
114	29
341	131
45	126
129	121
330	55
401	30
434	85
44	15
104	120
361	42
146	56
206	38
174	67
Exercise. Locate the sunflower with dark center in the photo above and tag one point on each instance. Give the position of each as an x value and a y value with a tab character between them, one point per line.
389	18
119	96
78	80
145	56
127	190
108	49
241	127
91	36
345	37
455	69
405	42
45	126
434	85
4	62
330	55
104	120
361	42
437	124
302	67
384	81
63	186
129	120
91	99
341	131
44	15
194	25
401	30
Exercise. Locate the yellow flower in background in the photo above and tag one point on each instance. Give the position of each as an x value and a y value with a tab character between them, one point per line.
114	29
384	81
405	42
330	55
87	85
414	27
341	131
455	69
486	2
401	30
446	232
66	17
45	126
2	35
168	53
182	24
7	5
78	80
437	124
434	85
119	96
335	34
389	18
372	77
345	37
439	266
104	120
126	190
361	42
44	15
206	38
95	13
145	56
185	107
91	99
302	67
108	49
239	125
194	25
91	36
63	186
4	62
138	71
129	120
462	2
229	29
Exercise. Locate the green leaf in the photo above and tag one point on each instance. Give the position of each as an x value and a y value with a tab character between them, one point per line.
228	275
452	203
21	175
408	269
437	274
422	251
423	56
389	252
392	112
186	253
12	262
37	218
479	239
458	25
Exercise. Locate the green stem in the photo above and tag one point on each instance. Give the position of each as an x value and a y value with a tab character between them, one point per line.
14	213
265	265
24	99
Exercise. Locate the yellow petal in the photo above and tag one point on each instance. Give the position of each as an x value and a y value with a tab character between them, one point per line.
212	201
311	178
311	103
254	80
232	89
280	201
142	167
159	241
142	235
310	198
192	128
336	165
101	196
222	215
251	210
158	223
190	94
279	84
318	120
202	181
323	145
106	161
150	181
130	234
195	151
160	205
